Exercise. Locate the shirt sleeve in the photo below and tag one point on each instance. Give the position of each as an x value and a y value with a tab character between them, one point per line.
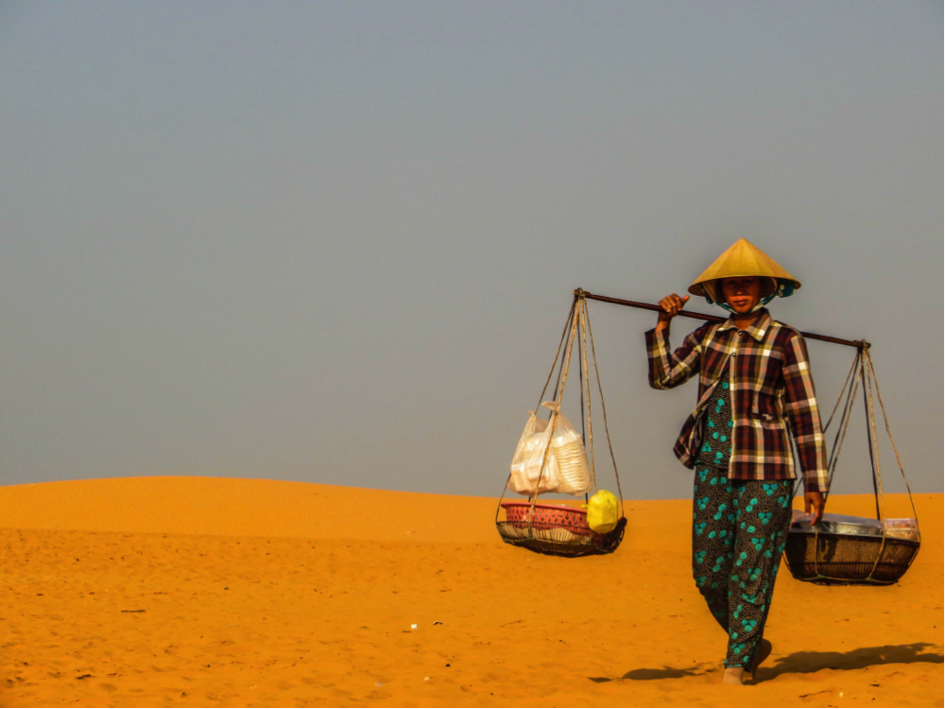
803	415
668	369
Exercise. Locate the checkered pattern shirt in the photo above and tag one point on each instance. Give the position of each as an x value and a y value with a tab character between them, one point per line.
772	392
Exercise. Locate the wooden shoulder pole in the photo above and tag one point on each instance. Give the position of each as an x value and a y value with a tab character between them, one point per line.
581	293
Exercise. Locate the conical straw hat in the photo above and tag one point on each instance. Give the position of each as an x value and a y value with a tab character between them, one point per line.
741	259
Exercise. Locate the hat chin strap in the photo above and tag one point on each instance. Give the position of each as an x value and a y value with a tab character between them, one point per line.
758	306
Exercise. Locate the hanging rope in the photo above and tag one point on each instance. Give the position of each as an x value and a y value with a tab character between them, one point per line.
871	439
564	335
895	450
603	407
850	373
842	427
582	309
559	391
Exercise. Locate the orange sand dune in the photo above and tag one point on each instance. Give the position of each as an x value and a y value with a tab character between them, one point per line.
203	591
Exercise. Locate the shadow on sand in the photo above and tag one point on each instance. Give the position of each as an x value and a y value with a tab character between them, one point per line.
804	662
645	673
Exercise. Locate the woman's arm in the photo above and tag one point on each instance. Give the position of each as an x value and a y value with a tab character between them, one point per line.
804	418
670	369
671	306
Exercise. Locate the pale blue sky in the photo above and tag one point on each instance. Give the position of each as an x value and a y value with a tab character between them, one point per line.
336	242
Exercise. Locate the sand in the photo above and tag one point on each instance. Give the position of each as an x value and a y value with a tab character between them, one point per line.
207	591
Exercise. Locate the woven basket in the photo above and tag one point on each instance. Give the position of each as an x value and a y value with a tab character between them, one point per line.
848	559
560	530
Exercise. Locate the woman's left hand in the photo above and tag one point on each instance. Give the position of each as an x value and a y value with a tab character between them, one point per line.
814	505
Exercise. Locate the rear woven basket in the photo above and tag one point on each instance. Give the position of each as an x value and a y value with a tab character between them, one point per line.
848	560
560	530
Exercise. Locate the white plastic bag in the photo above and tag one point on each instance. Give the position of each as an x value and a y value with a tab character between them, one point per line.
566	468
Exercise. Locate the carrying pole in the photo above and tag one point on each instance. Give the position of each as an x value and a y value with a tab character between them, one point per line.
859	344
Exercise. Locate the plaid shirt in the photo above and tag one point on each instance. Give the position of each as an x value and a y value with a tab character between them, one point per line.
772	390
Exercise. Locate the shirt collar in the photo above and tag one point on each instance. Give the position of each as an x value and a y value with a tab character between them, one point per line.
757	329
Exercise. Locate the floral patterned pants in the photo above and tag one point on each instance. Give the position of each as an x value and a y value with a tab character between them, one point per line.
738	534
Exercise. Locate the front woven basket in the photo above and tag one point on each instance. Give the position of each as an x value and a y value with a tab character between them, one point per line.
848	560
560	530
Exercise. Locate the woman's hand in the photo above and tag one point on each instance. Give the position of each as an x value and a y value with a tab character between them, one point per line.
671	305
814	505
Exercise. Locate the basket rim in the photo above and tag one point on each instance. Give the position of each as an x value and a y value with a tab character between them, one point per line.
890	538
545	506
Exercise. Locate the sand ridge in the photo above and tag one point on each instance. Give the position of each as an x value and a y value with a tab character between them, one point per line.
229	592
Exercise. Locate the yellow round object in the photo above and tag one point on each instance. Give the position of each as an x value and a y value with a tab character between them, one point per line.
602	512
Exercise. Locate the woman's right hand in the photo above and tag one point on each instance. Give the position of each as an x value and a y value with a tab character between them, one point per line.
670	307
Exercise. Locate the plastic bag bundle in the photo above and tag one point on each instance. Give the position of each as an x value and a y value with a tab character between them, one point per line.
566	468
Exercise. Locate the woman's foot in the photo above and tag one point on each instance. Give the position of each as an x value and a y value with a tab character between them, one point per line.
764	649
733	675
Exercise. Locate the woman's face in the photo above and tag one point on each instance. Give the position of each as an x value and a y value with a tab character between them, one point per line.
742	293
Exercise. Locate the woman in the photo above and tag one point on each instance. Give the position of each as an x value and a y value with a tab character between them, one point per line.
754	386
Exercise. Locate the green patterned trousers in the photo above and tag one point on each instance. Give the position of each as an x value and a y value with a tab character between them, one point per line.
738	534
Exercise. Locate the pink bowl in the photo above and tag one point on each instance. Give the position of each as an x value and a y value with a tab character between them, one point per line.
547	516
